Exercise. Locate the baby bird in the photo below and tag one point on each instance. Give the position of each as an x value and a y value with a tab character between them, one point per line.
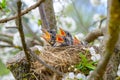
67	36
53	36
61	41
49	36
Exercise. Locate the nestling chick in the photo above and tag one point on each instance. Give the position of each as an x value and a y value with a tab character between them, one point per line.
67	36
49	36
61	41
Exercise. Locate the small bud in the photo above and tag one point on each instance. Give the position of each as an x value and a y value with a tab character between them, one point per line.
72	66
69	68
75	69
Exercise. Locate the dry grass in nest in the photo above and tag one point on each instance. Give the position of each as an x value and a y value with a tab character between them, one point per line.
61	58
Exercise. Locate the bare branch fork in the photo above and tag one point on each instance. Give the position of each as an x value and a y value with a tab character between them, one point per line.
101	20
22	12
20	29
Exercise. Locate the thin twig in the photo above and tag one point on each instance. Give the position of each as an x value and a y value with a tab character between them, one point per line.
25	24
20	28
11	27
9	35
6	40
22	12
4	46
101	20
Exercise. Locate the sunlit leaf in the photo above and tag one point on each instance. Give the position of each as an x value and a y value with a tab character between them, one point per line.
3	4
85	64
3	69
39	22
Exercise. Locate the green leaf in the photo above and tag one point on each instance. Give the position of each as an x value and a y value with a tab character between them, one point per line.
3	69
90	66
3	6
39	22
85	64
3	3
83	58
13	52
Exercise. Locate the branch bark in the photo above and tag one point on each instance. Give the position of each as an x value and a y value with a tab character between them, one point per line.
20	28
113	35
6	40
93	35
22	12
9	35
47	15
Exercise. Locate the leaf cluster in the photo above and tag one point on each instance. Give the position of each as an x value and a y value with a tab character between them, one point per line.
85	65
3	5
3	69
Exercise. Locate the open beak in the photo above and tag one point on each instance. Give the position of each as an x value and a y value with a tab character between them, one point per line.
59	38
62	32
76	41
46	35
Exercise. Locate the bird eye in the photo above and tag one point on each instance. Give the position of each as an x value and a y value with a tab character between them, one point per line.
53	37
68	34
51	31
65	39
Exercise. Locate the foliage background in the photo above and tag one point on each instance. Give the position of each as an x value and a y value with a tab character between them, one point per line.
75	16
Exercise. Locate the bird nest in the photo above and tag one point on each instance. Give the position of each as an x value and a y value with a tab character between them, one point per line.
61	58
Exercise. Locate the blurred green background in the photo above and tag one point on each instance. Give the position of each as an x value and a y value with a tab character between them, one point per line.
75	16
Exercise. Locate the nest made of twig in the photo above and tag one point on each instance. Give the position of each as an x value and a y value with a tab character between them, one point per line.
61	58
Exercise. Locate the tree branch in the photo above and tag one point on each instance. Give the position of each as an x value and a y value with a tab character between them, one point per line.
22	12
4	46
9	35
6	40
47	15
20	29
113	35
44	19
101	20
94	35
